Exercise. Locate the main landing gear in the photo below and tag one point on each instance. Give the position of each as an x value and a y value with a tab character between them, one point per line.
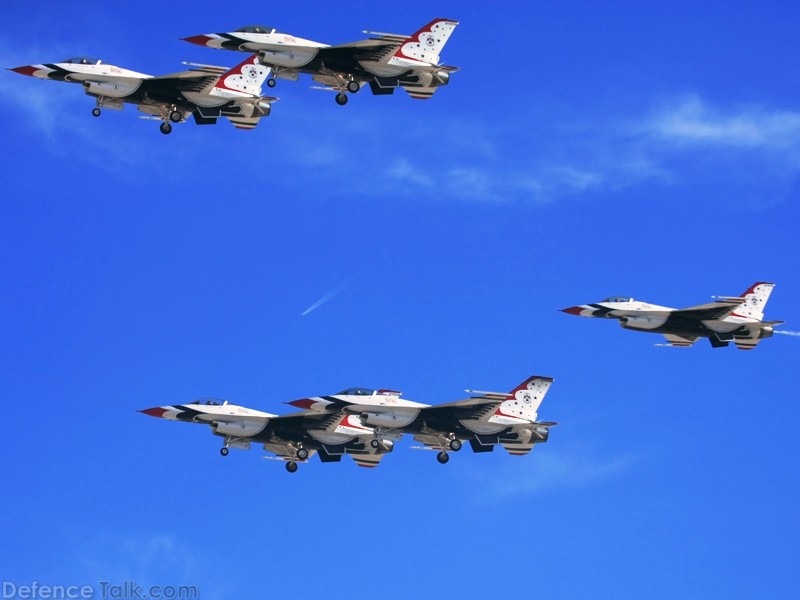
300	454
352	87
169	117
448	444
271	82
96	112
224	451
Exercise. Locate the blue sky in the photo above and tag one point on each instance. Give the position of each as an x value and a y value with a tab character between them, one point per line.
585	149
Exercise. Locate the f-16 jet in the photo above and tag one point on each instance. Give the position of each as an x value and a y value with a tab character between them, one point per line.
293	438
738	319
206	92
384	61
484	420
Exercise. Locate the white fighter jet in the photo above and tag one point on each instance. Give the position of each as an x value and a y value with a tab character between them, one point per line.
293	438
737	319
385	61
485	420
205	92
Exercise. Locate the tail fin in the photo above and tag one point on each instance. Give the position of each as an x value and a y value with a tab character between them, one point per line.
426	44
524	400
756	297
243	80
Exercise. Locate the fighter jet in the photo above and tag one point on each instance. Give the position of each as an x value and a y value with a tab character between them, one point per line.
385	61
205	92
293	438
737	319
485	420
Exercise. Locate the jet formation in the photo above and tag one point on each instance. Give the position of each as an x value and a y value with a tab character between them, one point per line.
384	61
366	424
737	319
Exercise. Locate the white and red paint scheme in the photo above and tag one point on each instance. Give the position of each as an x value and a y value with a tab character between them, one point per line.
738	319
385	61
488	419
206	93
293	438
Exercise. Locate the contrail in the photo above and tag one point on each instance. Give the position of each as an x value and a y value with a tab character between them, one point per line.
792	333
326	297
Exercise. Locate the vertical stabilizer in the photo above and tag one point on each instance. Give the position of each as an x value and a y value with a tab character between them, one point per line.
245	79
756	297
524	400
426	44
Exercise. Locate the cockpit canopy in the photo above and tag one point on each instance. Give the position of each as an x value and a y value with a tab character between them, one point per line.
356	391
618	299
82	60
256	29
209	402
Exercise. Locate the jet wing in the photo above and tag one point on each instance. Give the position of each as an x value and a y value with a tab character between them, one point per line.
366	50
710	311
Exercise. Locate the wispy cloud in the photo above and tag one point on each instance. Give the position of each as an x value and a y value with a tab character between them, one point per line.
143	557
550	469
691	120
684	140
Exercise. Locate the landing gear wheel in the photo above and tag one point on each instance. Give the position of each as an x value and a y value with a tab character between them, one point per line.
353	86
442	457
224	451
341	98
455	445
374	443
175	116
271	82
302	454
95	112
291	466
166	128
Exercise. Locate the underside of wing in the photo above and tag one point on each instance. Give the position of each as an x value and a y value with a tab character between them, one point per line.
712	310
471	408
366	50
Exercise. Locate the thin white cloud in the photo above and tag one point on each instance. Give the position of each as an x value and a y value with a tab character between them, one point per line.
683	141
692	120
549	469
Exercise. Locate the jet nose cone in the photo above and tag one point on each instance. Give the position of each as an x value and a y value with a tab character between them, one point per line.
154	412
573	310
200	40
25	70
304	403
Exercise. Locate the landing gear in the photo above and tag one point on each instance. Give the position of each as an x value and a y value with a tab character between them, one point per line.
353	86
165	128
175	116
442	457
95	112
271	82
374	443
291	466
302	454
224	451
455	445
341	98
